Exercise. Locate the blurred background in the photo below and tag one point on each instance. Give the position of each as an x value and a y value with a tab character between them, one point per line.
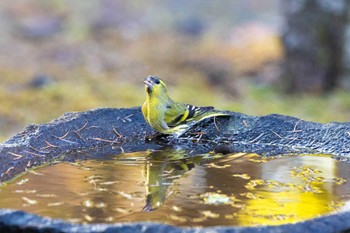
253	56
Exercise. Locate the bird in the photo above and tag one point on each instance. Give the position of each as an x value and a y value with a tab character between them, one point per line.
167	116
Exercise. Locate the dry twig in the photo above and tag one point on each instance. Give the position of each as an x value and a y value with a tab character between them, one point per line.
62	139
37	150
104	140
49	145
245	124
78	130
127	117
8	170
217	128
117	133
276	134
32	153
295	128
255	139
17	156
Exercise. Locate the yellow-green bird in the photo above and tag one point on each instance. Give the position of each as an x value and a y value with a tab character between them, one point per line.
167	116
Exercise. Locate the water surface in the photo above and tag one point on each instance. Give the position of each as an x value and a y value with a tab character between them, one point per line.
165	186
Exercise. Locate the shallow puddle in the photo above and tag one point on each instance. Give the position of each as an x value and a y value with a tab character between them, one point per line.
165	186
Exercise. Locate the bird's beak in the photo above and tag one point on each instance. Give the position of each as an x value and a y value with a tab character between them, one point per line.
148	82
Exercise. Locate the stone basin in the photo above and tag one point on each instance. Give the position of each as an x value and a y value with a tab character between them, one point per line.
112	131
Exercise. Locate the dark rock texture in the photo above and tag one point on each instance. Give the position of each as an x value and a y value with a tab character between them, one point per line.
111	131
19	221
106	131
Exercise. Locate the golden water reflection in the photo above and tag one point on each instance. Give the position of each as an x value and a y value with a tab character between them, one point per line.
166	186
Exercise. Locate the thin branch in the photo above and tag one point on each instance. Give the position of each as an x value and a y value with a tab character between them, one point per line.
93	126
245	124
32	153
199	138
104	140
8	170
17	156
276	134
127	117
79	136
295	128
62	137
255	139
37	150
117	133
217	128
78	130
65	140
49	145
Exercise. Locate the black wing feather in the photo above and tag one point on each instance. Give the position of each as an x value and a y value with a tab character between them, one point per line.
194	111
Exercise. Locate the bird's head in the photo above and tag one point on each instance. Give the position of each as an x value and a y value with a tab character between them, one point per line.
155	87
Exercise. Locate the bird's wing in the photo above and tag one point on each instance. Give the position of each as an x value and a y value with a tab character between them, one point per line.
174	114
195	112
184	113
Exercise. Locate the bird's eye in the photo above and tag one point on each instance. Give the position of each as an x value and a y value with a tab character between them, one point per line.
157	81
